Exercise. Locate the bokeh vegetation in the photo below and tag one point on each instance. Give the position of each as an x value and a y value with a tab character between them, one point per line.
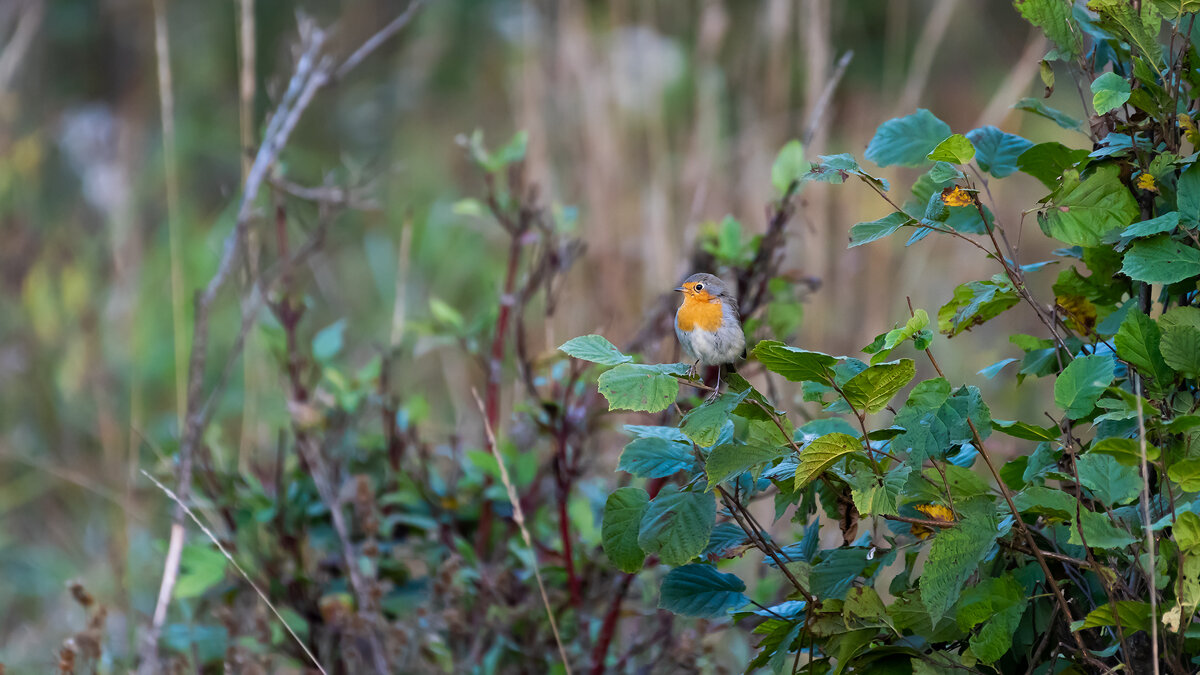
343	461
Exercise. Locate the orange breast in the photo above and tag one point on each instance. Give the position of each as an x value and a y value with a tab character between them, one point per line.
699	314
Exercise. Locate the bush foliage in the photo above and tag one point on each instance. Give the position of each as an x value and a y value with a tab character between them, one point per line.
1082	553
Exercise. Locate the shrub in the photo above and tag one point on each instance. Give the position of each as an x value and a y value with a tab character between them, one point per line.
1083	551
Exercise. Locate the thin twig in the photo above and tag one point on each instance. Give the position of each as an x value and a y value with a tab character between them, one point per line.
1147	525
312	72
930	39
818	110
212	537
375	41
519	519
20	41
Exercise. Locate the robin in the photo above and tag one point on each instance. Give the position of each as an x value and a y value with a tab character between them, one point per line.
707	323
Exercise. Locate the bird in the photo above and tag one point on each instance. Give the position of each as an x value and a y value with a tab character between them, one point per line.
707	323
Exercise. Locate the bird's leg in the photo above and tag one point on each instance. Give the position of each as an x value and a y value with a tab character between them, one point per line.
695	370
716	390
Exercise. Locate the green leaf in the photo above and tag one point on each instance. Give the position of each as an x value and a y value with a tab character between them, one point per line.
833	576
1099	531
701	591
676	525
1109	92
726	461
1187	196
1165	223
1081	383
974	303
915	329
929	394
725	540
623	513
776	644
1040	109
513	151
1082	212
1048	161
328	341
201	569
998	603
445	314
875	496
789	166
1187	473
823	453
1138	344
997	152
1186	532
703	424
865	233
655	457
964	483
1181	350
872	389
907	141
1025	431
1161	260
650	388
596	349
794	364
1110	481
1180	316
837	168
747	408
953	558
942	173
956	150
1134	616
1049	502
1127	451
1139	26
666	433
864	603
1173	9
1055	20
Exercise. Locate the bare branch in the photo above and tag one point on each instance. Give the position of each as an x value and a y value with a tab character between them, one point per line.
314	70
374	42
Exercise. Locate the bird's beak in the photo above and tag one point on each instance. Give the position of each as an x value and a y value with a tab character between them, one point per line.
680	289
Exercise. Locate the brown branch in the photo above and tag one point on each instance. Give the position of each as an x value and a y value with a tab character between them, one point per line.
312	72
1037	553
737	510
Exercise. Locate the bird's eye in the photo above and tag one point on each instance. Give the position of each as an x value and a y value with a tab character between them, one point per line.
699	287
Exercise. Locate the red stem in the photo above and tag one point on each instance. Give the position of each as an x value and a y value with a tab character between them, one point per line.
609	627
494	371
564	520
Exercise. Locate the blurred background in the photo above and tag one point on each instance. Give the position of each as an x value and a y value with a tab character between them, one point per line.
648	122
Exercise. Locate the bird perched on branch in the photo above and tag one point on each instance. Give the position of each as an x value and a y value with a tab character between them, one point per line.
707	323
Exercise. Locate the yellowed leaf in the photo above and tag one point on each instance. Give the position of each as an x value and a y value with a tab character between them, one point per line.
1080	311
935	512
1146	182
956	196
